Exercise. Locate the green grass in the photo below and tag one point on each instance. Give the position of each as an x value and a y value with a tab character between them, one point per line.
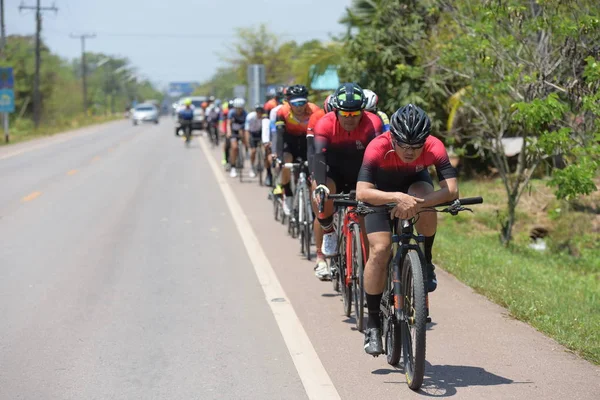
23	130
555	292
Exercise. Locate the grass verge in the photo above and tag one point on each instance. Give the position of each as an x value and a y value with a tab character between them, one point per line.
23	130
556	293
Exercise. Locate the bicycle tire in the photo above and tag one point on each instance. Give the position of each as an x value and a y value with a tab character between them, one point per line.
259	157
308	225
357	281
415	309
239	162
346	289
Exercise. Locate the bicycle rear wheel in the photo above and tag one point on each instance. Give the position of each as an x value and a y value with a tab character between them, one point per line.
357	277
414	324
260	166
239	162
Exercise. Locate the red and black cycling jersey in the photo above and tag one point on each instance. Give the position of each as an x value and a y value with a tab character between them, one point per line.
269	105
382	167
342	151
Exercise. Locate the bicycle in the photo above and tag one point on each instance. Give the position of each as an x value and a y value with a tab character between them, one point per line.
300	221
405	301
259	163
276	194
186	125
347	267
239	162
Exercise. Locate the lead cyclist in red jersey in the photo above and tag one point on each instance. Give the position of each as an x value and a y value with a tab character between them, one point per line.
394	170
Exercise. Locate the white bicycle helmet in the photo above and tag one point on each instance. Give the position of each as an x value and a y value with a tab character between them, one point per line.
372	100
239	102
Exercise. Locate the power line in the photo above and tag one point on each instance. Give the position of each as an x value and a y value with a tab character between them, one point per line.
84	66
152	35
37	101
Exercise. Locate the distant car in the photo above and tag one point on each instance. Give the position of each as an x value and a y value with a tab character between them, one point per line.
145	113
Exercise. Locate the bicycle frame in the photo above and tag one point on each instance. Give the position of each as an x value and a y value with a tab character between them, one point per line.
349	219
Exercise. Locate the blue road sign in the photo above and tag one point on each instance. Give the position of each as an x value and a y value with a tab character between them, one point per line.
7	101
7	80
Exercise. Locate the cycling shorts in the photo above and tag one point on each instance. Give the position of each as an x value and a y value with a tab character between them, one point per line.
255	139
380	221
295	145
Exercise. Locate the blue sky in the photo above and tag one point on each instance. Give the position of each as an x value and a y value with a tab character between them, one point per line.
172	40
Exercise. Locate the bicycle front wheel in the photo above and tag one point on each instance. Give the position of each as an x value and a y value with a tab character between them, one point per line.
357	277
414	324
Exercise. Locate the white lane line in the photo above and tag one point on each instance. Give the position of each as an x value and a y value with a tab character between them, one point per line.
314	377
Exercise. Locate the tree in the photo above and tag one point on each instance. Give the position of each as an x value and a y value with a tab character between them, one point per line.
520	67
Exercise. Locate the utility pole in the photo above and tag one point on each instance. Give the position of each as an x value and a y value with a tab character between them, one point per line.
84	67
37	100
3	40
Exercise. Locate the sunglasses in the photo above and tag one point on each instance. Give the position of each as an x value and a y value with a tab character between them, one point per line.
298	103
409	147
349	113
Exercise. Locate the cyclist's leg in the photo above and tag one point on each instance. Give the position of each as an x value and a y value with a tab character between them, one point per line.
426	226
378	230
226	151
321	268
335	183
267	161
234	140
254	142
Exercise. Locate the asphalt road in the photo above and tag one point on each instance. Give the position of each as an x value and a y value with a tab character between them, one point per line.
132	267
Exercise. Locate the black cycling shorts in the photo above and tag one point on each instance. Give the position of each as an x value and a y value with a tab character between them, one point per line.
295	145
342	183
380	221
255	139
235	135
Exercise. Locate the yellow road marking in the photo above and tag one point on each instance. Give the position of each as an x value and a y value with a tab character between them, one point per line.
72	172
32	196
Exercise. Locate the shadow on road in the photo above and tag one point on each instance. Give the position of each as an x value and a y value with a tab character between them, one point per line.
443	380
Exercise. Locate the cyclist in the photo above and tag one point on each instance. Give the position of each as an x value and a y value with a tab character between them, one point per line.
185	115
212	119
341	138
372	100
394	170
269	142
253	128
235	129
227	106
321	264
276	99
291	124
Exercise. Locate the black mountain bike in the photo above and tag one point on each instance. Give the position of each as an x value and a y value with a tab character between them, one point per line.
405	302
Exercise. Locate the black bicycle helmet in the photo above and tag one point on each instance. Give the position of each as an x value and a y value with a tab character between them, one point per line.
410	125
259	108
328	104
297	92
349	97
279	91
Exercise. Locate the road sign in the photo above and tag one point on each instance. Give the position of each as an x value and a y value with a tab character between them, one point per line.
7	79
7	101
178	89
239	91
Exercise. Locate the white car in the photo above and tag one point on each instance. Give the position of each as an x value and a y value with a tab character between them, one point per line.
145	113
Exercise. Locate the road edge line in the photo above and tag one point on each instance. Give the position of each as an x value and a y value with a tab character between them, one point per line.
315	379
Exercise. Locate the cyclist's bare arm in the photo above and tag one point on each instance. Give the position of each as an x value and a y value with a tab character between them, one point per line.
448	191
368	193
228	128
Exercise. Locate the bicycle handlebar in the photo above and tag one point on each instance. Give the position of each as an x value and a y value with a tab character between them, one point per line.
453	206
